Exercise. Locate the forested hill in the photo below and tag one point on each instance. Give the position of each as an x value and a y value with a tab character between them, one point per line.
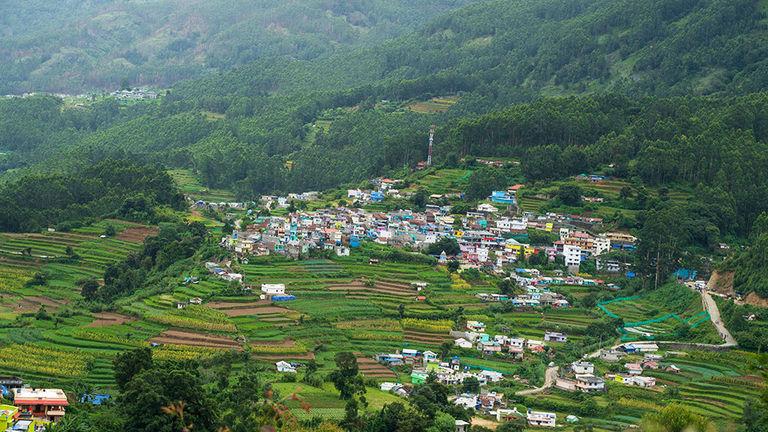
76	45
349	115
511	51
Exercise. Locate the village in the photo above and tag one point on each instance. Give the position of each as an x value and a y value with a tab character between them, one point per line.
489	237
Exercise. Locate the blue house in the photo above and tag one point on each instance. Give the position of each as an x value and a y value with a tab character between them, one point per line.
502	197
377	196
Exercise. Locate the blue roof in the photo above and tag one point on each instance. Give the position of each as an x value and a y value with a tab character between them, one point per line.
95	399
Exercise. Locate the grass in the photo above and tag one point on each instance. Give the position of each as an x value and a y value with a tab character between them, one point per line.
190	184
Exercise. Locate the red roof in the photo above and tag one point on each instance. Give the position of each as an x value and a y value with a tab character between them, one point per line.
36	401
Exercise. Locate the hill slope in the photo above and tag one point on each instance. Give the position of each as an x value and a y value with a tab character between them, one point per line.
73	45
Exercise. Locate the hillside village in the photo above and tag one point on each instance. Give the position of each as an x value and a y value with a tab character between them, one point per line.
384	215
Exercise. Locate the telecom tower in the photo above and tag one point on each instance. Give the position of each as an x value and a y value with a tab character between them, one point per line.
431	141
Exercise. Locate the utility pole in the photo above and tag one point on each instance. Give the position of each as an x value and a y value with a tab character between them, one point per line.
431	141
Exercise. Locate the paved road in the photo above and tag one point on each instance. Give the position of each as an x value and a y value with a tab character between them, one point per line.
549	380
714	314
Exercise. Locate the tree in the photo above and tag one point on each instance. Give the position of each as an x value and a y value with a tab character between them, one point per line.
419	199
443	422
662	238
508	286
401	311
511	426
130	363
484	181
470	385
446	244
453	265
445	348
625	193
569	195
346	378
88	289
675	418
110	230
167	398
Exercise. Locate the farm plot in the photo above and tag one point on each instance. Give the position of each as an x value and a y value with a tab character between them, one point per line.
194	317
660	313
188	338
372	369
110	318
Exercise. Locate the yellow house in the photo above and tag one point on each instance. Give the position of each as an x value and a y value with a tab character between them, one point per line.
549	226
8	416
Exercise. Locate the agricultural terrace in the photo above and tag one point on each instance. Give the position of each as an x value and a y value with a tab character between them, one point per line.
713	384
189	184
672	312
434	105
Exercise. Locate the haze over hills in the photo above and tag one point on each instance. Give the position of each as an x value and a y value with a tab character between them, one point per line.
72	46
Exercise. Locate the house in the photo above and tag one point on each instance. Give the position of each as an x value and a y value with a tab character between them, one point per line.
565	384
466	401
285	367
196	301
390	359
460	426
505	415
463	343
8	416
583	368
489	347
541	419
490	400
44	404
555	337
429	357
672	368
634	368
490	376
640	381
649	364
418	377
273	289
387	386
611	356
475	326
410	353
589	383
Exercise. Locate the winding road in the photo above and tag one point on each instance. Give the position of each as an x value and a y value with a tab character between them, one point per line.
714	315
549	380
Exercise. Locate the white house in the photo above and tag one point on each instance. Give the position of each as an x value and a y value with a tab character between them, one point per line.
490	376
589	383
555	337
285	367
273	289
463	343
572	254
640	381
466	401
541	419
583	368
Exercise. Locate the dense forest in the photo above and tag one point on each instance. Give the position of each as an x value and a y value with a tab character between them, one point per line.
109	188
85	45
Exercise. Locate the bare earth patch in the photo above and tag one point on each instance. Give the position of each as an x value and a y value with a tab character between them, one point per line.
110	318
188	338
137	234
